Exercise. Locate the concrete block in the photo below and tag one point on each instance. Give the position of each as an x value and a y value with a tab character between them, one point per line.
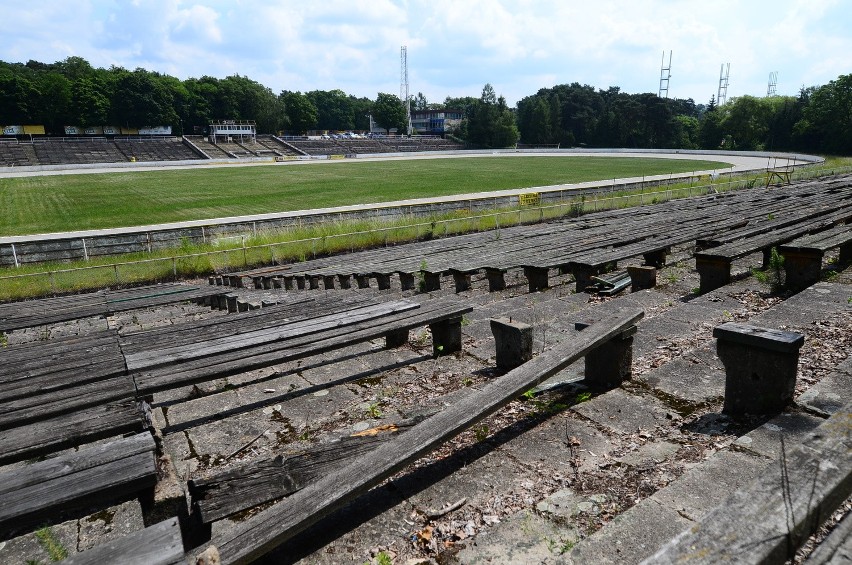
536	277
345	281
714	272
406	281
313	282
513	342
642	277
231	303
655	259
461	280
363	281
609	364
802	268
760	367
328	282
431	281
396	339
300	281
446	336
496	279
383	280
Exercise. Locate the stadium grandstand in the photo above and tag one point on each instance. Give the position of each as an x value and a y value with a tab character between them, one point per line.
22	146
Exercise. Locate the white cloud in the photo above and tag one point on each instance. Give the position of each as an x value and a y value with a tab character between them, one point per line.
454	47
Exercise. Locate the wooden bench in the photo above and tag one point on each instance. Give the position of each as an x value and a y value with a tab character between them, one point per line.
31	313
714	265
160	544
803	256
93	476
46	379
36	438
192	362
260	533
767	520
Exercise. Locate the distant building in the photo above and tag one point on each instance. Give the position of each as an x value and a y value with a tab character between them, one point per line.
435	122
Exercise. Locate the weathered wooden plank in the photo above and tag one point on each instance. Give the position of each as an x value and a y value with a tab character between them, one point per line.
269	528
239	489
767	520
215	366
70	430
160	544
168	356
45	488
20	411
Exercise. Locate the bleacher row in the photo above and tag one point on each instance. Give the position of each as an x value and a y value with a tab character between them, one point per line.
724	227
74	151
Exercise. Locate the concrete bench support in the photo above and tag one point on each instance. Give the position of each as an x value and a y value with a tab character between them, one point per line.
383	280
231	303
845	254
583	276
496	279
313	282
642	277
363	281
461	280
609	364
656	258
396	339
288	281
277	282
715	272
537	278
300	281
446	336
236	281
802	268
513	342
345	281
328	282
431	281
406	281
257	282
760	367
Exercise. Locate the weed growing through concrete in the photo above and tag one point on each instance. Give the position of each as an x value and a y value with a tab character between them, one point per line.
48	540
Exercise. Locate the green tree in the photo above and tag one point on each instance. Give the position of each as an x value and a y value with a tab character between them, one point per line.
827	117
301	112
389	113
488	122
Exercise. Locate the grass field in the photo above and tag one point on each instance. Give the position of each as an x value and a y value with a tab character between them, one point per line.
77	202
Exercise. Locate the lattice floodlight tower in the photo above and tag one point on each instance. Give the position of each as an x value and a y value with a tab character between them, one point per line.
724	73
403	86
771	88
665	75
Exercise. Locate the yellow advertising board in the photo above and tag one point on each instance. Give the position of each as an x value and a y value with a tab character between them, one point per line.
529	199
34	130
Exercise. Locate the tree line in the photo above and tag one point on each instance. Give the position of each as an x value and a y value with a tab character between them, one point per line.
818	120
72	92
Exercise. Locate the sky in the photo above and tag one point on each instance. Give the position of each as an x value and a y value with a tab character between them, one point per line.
454	47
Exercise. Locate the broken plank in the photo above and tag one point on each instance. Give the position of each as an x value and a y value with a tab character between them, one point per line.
250	539
239	489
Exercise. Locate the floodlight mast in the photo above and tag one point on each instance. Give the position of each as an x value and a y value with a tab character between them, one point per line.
724	73
772	87
665	75
403	86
